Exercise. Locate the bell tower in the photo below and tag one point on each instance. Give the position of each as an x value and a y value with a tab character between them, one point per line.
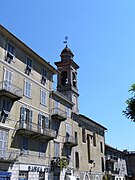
67	77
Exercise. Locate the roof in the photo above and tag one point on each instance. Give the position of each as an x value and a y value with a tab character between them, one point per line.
17	41
66	50
83	116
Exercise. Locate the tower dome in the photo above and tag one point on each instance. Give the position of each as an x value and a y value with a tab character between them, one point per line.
66	54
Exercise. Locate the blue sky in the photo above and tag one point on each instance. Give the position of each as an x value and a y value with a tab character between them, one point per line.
101	36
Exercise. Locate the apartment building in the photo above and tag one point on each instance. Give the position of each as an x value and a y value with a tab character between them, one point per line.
25	118
42	134
116	166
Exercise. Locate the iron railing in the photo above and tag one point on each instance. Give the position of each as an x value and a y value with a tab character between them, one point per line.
9	87
59	112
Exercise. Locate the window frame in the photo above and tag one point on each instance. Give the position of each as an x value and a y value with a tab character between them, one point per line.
10	56
43	76
29	67
56	151
83	135
26	116
27	92
42	148
43	97
94	140
4	142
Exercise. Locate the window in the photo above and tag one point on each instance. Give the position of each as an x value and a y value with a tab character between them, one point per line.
89	144
64	78
77	159
76	140
43	121
56	149
94	139
6	106
28	66
10	53
74	79
27	89
26	116
68	151
7	80
83	135
68	129
56	125
88	147
102	164
44	76
101	147
25	145
43	97
42	148
3	143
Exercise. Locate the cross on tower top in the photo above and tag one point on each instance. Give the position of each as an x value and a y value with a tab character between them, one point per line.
65	40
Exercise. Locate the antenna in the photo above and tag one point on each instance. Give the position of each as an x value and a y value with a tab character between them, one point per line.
65	41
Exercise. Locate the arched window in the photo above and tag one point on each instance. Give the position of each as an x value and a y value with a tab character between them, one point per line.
86	177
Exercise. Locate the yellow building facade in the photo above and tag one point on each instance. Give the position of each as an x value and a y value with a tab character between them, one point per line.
42	134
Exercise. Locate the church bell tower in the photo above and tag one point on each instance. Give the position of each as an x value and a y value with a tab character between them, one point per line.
67	77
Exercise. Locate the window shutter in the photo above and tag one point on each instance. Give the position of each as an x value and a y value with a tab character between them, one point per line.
3	143
56	149
25	87
30	118
7	79
22	115
39	120
46	122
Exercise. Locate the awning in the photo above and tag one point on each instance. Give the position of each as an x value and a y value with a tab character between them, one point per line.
5	174
68	177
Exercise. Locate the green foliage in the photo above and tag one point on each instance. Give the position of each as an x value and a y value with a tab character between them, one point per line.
63	163
129	112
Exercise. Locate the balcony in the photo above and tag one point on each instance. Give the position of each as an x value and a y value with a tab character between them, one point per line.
9	156
58	114
71	141
36	131
10	90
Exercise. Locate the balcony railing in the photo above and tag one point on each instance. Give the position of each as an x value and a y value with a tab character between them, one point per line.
10	90
59	114
71	140
9	156
36	130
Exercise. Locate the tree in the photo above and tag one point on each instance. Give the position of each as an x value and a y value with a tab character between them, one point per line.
129	111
